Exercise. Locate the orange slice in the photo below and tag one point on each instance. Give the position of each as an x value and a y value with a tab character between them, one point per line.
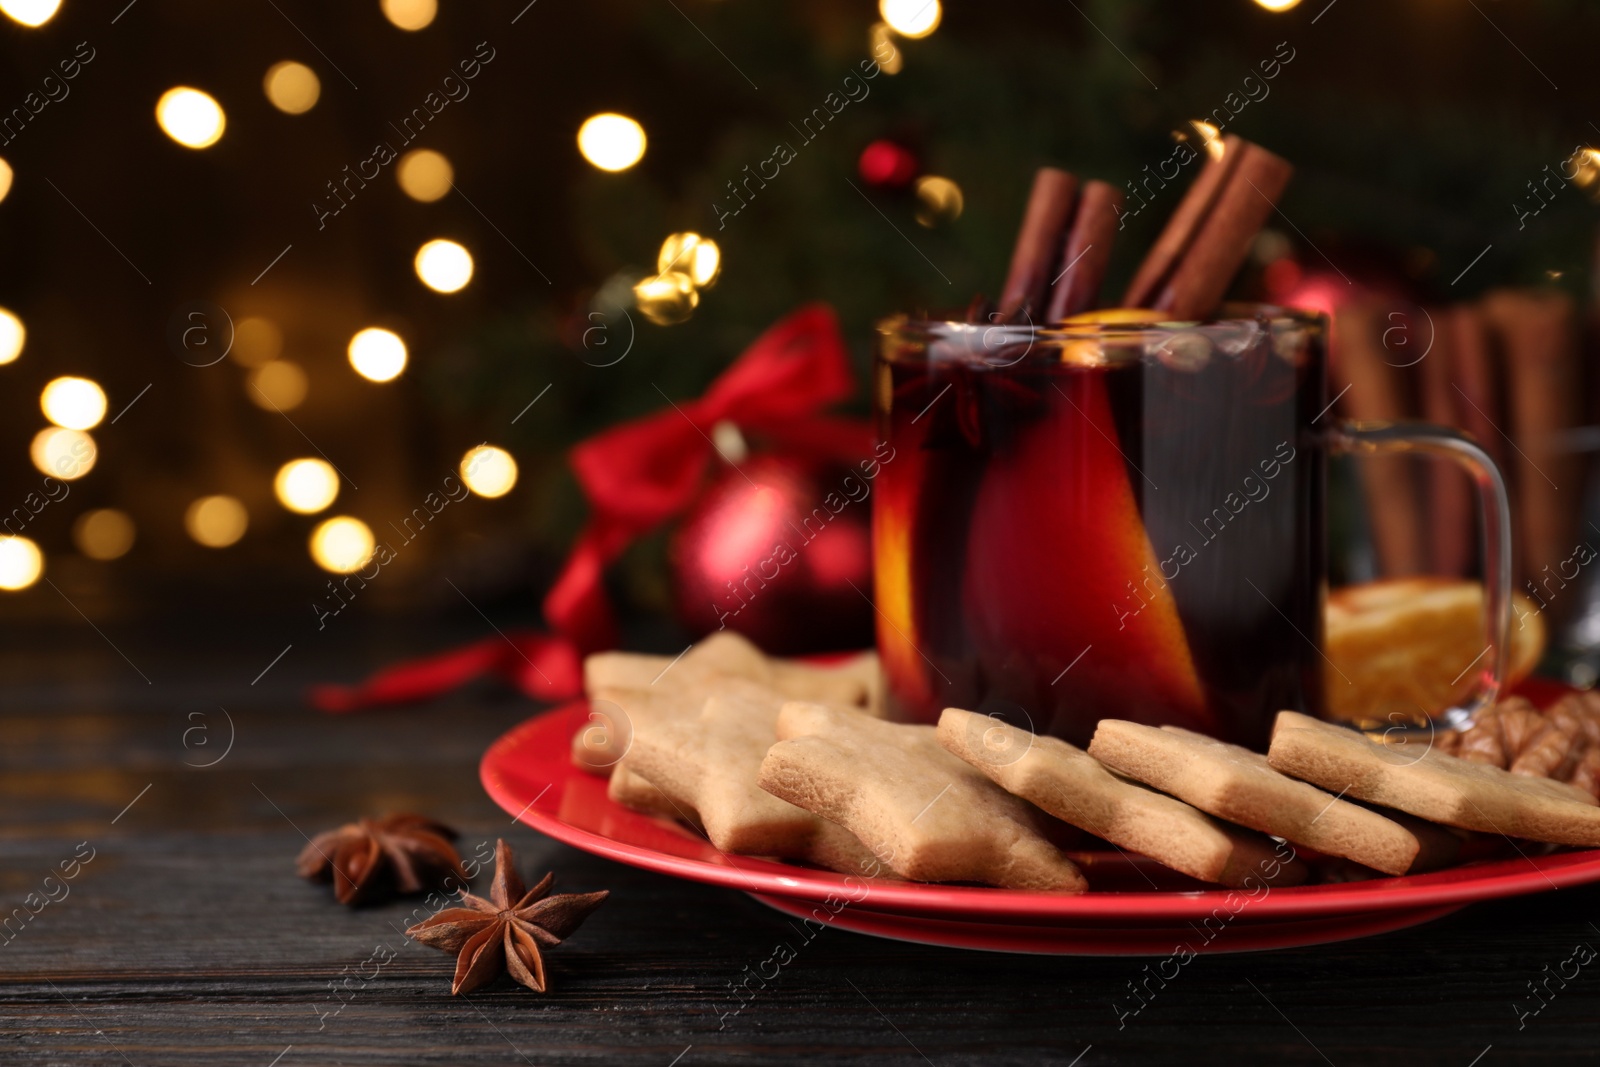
1059	567
1411	645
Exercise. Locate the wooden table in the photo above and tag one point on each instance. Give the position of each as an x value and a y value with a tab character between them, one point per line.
187	938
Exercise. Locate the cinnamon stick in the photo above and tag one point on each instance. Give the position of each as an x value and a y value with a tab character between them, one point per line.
1033	259
1247	199
1473	385
1449	487
1087	251
1376	393
1538	334
1181	228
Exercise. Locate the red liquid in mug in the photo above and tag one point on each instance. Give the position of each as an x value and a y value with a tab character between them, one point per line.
1058	542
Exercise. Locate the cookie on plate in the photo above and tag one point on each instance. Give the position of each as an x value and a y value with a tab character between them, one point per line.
1435	786
1075	787
1239	785
927	814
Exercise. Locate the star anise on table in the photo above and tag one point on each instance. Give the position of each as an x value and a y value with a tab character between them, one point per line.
369	859
506	931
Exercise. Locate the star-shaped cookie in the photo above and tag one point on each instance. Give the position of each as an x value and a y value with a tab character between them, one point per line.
1075	787
706	767
929	815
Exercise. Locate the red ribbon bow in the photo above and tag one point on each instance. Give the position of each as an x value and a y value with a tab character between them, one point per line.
637	476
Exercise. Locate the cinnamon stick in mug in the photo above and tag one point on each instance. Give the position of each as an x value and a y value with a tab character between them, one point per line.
1087	251
1206	269
1033	259
1181	228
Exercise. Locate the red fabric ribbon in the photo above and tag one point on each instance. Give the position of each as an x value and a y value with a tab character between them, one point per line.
637	476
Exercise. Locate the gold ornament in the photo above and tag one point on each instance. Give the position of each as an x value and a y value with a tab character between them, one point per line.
939	200
691	254
666	299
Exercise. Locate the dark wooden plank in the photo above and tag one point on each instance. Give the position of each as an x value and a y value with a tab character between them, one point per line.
188	939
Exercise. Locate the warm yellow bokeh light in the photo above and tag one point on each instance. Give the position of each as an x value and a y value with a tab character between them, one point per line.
103	534
880	42
410	14
12	336
666	299
911	18
21	563
489	471
611	141
1210	136
939	200
256	342
30	12
342	544
444	266
689	253
1277	5
378	355
424	174
278	386
65	454
5	178
192	118
76	403
306	485
216	521
292	87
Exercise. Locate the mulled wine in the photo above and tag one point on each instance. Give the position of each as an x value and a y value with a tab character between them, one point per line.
1103	521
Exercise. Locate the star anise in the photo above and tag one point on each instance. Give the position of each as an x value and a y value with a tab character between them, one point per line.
369	859
506	931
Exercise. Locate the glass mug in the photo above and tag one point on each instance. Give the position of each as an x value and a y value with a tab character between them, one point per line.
1126	521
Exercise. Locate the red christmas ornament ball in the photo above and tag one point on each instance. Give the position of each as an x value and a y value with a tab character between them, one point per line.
887	165
779	550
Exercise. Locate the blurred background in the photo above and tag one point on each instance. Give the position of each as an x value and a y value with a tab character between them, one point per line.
275	272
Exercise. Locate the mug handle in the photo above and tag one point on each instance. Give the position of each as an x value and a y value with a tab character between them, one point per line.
1494	524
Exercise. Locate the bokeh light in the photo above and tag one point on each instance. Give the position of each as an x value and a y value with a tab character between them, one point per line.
410	14
5	178
256	341
611	142
489	471
666	299
939	200
21	563
103	534
1210	137
424	174
444	266
192	118
62	453
911	18
30	12
342	544
76	403
306	485
12	336
278	386
216	521
880	43
689	253
292	87
378	355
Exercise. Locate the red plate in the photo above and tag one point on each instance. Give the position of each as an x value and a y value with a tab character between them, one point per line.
1134	907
